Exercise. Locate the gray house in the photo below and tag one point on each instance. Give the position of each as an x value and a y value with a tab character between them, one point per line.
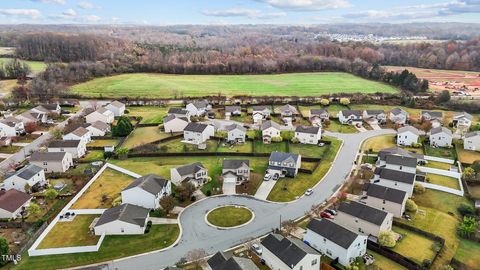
440	137
364	219
387	199
233	111
194	173
236	171
399	116
226	261
236	133
395	179
284	164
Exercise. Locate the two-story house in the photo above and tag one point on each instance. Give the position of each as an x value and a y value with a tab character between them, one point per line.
401	163
75	147
270	129
179	112
51	108
308	135
30	176
394	179
399	116
317	116
79	133
232	111
350	117
194	173
11	127
391	200
101	114
147	191
440	137
32	117
52	161
13	204
375	116
407	136
198	107
462	120
98	128
197	133
117	107
472	141
260	113
226	261
173	123
236	171
436	118
236	133
284	164
288	111
363	219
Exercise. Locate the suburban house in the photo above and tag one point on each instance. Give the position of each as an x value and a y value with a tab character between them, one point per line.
350	117
226	261
399	116
235	171
32	117
173	123
101	114
79	133
462	120
179	112
30	176
401	163
196	133
236	133
98	128
260	113
11	127
146	191
48	108
440	137
308	135
387	199
233	111
270	129
194	173
317	116
394	179
5	141
75	147
124	219
375	116
472	141
382	155
436	118
117	107
52	161
284	164
284	253
335	241
407	136
198	107
288	111
363	219
13	203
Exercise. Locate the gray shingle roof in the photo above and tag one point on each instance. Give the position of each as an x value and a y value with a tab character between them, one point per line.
408	128
10	121
347	113
288	108
80	131
170	117
463	114
472	134
307	129
433	115
286	249
117	104
269	123
398	111
282	156
195	127
385	193
177	111
396	151
125	212
190	168
401	160
104	111
50	107
235	126
233	108
28	171
437	130
64	144
260	108
395	175
100	125
375	112
333	232
317	112
48	156
235	163
200	104
151	183
225	261
363	212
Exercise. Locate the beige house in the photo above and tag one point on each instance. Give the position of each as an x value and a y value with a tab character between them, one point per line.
79	133
270	130
75	147
98	128
13	203
52	161
472	141
364	219
384	198
117	107
101	114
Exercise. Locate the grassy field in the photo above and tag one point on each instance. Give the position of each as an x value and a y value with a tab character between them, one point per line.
10	149
468	252
171	86
414	246
149	114
465	156
336	126
93	155
441	152
386	141
144	135
229	216
443	181
110	183
113	247
35	66
103	143
384	263
71	233
438	165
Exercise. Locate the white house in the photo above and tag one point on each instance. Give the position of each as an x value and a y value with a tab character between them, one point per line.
363	219
287	111
308	135
399	116
462	120
13	203
260	113
194	173
198	107
11	127
101	114
284	164
117	107
226	261
270	130
394	179
387	199
5	141
374	116
32	117
407	136
401	163
147	191
30	175
79	133
48	108
75	147
335	241
232	111
286	253
236	133
52	161
125	219
179	112
317	116
98	128
173	123
197	133
472	141
350	117
382	155
235	171
440	137
436	118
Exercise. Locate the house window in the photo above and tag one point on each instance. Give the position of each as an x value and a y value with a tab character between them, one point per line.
45	163
301	267
314	262
383	201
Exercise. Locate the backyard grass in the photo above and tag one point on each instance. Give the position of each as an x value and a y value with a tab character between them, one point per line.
10	149
35	66
246	147
229	216
474	191
113	247
438	165
414	246
465	156
468	252
149	114
380	142
93	155
260	147
440	152
336	126
384	263
441	201
442	180
144	135
71	233
103	143
175	86
6	87
104	190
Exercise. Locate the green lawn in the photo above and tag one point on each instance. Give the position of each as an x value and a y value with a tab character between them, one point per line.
113	247
336	126
260	147
144	135
149	114
93	155
35	66
386	141
440	152
171	86
246	147
443	181
103	143
438	165
468	252
71	233
414	246
11	149
229	216
384	263
465	156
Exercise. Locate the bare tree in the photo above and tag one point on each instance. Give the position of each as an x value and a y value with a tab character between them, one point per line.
197	257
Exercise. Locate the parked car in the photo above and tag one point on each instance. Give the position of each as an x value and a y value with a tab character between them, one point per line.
267	177
331	211
308	192
258	250
321	144
275	177
368	259
326	215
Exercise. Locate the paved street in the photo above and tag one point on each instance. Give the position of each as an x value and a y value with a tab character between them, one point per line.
197	234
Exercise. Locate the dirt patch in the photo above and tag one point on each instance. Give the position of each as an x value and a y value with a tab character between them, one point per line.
15	237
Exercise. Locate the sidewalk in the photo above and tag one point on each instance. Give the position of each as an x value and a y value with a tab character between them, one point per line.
158	221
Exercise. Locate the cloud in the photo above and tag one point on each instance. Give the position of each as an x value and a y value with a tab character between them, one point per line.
58	2
85	5
243	12
69	13
90	18
306	5
26	13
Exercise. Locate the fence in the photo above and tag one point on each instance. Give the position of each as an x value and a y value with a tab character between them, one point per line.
392	255
439	172
66	250
455	175
32	238
444	160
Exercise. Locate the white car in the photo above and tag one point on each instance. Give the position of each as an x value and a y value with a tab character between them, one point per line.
258	250
309	192
267	177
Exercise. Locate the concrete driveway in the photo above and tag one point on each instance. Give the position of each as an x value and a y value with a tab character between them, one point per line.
361	128
264	189
375	126
229	188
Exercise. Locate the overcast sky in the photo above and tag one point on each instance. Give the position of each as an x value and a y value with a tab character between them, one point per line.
162	12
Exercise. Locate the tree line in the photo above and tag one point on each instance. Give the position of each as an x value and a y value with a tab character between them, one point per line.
13	69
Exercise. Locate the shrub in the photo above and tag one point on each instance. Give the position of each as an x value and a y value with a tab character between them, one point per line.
122	128
107	155
387	239
286	135
209	193
51	194
294	140
418	188
344	101
324	102
193	198
466	209
277	139
4	249
468	227
411	206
